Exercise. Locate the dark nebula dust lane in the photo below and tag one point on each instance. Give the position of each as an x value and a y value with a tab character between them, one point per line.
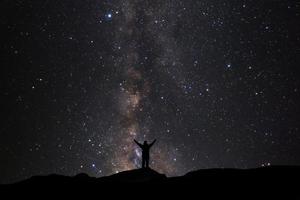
215	82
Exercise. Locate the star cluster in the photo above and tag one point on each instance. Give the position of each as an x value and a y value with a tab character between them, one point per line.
215	82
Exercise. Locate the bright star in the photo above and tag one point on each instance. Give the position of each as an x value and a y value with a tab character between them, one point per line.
108	16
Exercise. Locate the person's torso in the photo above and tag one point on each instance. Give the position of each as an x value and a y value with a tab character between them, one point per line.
145	148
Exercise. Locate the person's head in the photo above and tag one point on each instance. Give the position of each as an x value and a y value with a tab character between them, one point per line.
145	142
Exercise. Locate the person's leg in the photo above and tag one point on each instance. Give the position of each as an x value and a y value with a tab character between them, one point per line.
147	162
143	162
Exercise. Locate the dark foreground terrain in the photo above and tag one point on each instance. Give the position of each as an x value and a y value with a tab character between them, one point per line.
270	181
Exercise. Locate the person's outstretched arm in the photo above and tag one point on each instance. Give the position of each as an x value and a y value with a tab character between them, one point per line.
140	145
152	143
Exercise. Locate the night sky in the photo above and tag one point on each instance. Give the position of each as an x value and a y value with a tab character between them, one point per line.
216	82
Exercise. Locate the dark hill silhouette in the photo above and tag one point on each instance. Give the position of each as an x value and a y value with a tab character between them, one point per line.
144	175
212	181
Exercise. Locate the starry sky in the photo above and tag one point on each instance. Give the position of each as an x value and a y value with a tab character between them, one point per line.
216	82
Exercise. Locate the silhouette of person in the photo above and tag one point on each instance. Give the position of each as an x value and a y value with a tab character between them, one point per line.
145	152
